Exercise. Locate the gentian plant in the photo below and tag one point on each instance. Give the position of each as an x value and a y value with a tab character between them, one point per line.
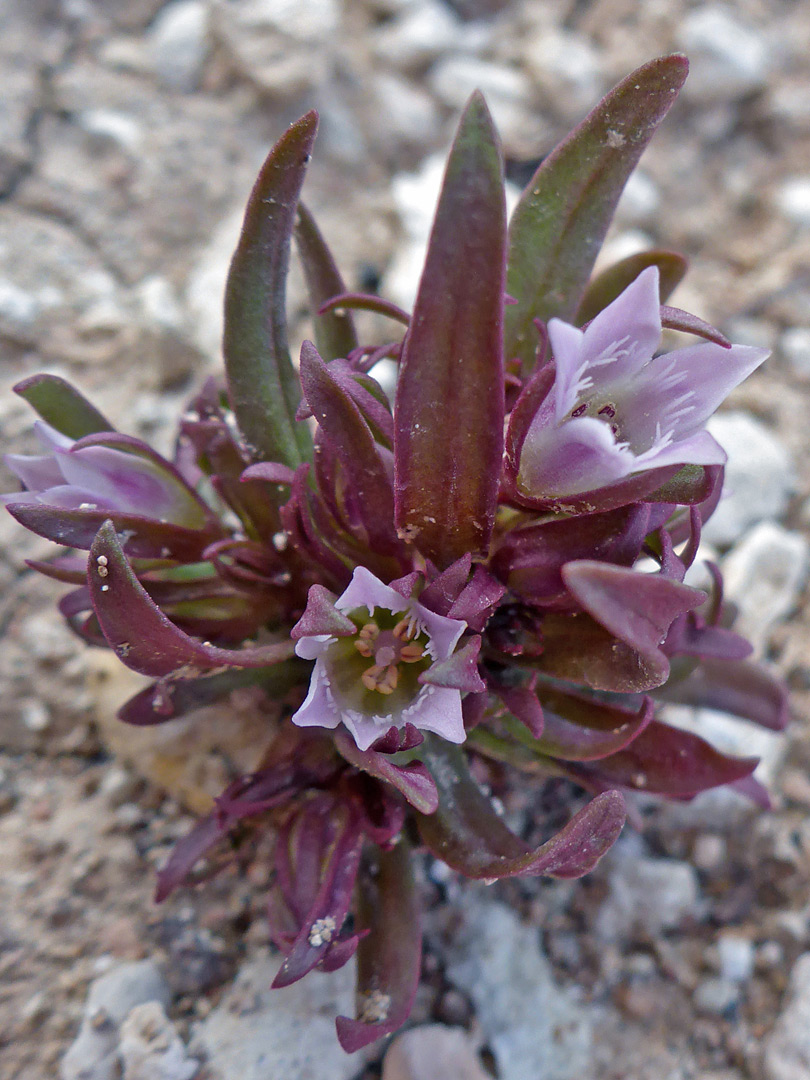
480	581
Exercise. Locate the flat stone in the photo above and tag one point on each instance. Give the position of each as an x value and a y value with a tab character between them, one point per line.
431	1051
150	1047
728	58
178	44
256	1033
634	879
787	1050
764	574
536	1029
759	477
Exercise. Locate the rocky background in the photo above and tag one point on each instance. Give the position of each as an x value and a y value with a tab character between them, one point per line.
130	132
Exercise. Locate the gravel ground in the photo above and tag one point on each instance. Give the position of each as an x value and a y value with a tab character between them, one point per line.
130	133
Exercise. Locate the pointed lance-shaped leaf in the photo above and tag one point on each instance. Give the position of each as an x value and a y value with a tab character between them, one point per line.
563	215
334	329
350	438
449	410
607	286
467	834
389	959
142	636
261	378
62	406
664	760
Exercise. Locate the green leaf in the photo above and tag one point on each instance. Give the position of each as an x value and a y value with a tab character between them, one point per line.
62	406
334	330
562	217
261	377
448	441
607	286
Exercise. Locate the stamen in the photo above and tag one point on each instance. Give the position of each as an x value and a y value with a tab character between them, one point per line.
404	630
409	654
382	679
579	410
607	410
364	642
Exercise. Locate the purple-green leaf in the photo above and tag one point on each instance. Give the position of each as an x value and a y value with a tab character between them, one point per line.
673	318
607	286
450	395
560	222
142	636
261	377
334	330
389	958
734	686
467	834
351	440
62	406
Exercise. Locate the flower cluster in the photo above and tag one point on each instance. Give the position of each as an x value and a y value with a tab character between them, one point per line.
481	578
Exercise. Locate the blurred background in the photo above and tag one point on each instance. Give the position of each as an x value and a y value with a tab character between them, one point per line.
130	135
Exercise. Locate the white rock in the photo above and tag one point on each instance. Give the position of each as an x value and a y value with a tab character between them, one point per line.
793	199
150	1047
431	1051
759	477
537	1030
112	125
178	44
787	1050
566	65
716	996
646	893
205	289
410	113
728	58
418	36
272	41
736	956
795	346
640	198
94	1053
764	575
256	1033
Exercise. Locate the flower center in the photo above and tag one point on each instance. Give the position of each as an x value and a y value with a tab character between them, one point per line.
389	648
599	410
377	671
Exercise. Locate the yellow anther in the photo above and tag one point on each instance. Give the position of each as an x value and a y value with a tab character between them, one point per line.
404	630
382	679
364	642
409	654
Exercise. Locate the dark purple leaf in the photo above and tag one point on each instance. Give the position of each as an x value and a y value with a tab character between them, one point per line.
664	760
675	319
365	302
607	286
579	741
733	686
169	698
350	438
560	222
478	599
531	559
142	538
467	834
390	957
522	703
459	671
450	393
412	780
62	406
261	377
638	609
334	330
142	636
337	861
